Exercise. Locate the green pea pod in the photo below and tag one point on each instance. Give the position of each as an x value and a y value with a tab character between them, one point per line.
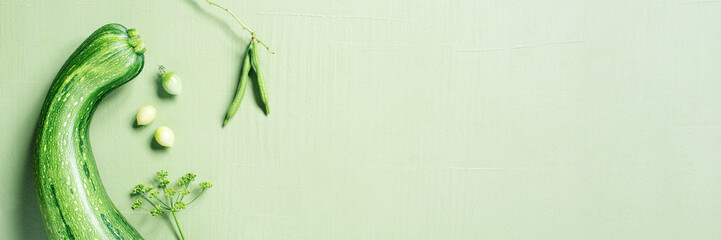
254	62
240	92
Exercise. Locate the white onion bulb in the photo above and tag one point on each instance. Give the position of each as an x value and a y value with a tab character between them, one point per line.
146	115
172	84
164	136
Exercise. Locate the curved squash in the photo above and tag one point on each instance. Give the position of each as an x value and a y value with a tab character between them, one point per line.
73	201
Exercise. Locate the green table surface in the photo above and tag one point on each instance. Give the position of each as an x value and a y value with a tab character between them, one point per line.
430	119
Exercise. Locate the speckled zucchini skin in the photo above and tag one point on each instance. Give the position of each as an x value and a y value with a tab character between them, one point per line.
73	201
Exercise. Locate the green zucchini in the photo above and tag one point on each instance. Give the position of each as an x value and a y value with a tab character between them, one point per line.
73	201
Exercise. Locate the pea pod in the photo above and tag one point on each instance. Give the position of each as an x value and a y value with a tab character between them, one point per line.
241	87
254	62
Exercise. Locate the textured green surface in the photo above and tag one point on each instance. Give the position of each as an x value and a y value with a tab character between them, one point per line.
72	199
397	119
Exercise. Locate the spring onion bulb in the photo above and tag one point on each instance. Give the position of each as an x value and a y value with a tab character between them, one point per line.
164	136
146	115
171	82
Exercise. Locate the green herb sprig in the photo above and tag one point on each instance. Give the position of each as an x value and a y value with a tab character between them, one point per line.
173	200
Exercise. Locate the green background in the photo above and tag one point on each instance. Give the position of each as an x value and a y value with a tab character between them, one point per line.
437	119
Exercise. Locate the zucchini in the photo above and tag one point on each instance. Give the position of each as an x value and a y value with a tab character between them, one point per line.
73	201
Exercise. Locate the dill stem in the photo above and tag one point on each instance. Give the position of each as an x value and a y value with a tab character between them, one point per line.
178	225
196	197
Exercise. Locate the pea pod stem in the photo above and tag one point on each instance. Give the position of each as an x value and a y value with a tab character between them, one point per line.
246	28
254	62
240	92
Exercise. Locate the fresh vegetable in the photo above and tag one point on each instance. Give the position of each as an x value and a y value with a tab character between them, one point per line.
241	88
146	115
252	54
174	199
255	63
171	82
72	199
164	136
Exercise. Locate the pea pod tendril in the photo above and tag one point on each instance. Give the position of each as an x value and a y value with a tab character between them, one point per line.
246	28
